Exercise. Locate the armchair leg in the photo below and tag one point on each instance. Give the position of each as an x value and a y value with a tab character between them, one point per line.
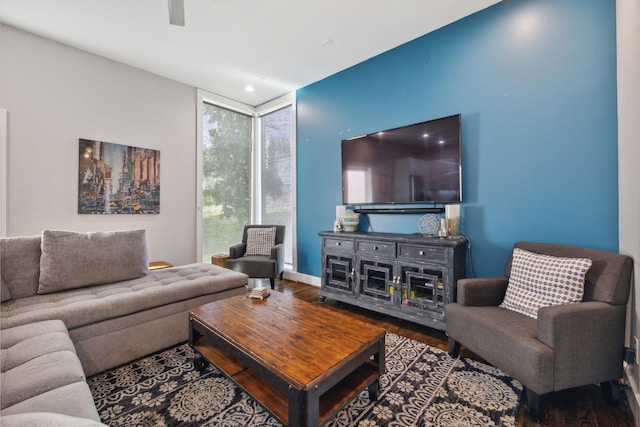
611	392
281	275
535	410
272	280
454	348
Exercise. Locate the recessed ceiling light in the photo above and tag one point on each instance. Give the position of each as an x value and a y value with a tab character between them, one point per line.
249	88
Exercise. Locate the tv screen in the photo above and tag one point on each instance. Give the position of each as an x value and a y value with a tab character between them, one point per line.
418	163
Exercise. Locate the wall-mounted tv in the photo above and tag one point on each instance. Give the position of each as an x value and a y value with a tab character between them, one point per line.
418	163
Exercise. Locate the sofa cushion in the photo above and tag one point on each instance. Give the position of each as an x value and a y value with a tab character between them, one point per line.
73	399
35	359
20	264
83	306
543	280
73	260
260	240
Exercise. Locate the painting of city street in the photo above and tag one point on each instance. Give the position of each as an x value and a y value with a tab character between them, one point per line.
118	179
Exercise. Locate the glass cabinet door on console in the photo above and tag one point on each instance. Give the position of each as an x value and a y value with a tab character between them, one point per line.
376	279
339	272
423	287
338	265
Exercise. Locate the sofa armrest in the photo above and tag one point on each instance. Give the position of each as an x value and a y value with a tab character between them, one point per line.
277	253
481	291
237	250
586	337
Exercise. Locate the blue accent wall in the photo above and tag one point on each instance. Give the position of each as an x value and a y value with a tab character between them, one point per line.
535	82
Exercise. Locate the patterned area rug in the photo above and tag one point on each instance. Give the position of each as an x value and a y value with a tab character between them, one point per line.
423	386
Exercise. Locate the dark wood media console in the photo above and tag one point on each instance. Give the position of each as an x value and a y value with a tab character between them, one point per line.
403	275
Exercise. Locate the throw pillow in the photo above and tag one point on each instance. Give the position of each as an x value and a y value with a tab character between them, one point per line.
260	240
543	280
73	260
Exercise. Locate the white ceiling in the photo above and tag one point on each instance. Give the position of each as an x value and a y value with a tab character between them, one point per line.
276	46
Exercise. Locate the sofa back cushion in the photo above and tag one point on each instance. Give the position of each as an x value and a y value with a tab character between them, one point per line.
73	260
20	265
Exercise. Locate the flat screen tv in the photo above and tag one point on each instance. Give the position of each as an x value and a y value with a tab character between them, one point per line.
418	163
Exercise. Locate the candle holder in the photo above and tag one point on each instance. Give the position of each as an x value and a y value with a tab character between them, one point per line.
452	214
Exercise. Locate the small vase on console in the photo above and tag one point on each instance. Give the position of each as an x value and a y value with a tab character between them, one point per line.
349	220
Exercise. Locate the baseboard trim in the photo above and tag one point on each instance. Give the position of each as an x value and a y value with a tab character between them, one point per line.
302	278
632	377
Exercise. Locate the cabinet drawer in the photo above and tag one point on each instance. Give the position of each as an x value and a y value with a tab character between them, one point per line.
339	244
422	253
376	248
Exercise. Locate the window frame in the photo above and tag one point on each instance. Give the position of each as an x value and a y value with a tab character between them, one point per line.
256	113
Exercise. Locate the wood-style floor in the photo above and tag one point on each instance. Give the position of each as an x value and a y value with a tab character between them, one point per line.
582	406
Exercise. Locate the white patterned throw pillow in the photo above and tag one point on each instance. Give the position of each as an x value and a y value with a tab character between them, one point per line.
543	280
260	240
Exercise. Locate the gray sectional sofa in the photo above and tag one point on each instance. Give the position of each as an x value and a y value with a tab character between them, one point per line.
75	304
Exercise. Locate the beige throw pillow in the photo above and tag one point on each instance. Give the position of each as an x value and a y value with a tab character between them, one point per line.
73	260
260	240
538	280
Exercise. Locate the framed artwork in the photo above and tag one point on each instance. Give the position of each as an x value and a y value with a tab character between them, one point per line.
118	179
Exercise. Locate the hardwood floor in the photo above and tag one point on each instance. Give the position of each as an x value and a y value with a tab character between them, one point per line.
581	406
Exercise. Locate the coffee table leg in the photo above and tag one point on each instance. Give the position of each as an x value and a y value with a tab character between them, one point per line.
373	391
304	408
379	358
199	362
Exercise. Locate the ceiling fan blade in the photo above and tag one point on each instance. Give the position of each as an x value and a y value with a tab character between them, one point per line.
176	12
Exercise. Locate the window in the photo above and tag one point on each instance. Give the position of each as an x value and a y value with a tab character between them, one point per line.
275	195
226	184
245	166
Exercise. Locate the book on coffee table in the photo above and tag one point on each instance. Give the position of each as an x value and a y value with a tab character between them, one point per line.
259	293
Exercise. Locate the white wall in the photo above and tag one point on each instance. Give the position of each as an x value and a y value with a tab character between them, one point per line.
54	95
628	49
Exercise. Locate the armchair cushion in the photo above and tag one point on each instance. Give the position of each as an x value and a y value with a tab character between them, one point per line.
260	241
543	280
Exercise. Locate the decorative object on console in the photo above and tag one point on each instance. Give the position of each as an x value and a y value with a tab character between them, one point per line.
452	215
349	220
118	179
429	225
337	226
443	228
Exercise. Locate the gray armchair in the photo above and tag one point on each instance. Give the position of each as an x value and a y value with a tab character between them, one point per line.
567	346
259	266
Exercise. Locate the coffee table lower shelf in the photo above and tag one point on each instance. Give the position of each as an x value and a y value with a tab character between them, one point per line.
274	400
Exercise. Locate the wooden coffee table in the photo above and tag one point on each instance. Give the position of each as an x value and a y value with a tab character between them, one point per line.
302	362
